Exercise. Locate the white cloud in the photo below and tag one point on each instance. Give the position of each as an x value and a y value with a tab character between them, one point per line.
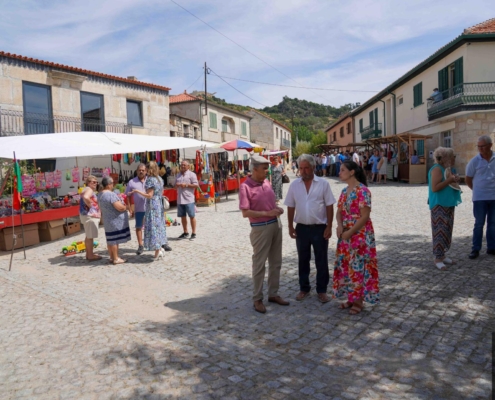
358	44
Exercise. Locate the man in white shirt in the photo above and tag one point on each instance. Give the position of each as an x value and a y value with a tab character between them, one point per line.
355	157
310	204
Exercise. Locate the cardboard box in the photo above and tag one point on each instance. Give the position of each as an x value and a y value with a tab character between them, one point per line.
31	237
71	228
202	202
51	230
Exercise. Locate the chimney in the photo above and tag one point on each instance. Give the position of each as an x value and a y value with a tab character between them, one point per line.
185	91
132	78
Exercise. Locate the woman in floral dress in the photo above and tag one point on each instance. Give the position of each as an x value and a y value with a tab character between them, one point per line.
356	270
155	234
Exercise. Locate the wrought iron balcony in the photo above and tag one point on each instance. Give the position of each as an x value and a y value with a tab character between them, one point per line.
462	97
17	123
372	131
285	143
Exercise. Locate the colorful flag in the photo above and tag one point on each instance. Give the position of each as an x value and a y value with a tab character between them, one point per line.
16	201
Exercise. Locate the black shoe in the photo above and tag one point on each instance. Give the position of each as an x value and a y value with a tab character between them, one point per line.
166	247
193	236
491	251
184	236
474	254
140	250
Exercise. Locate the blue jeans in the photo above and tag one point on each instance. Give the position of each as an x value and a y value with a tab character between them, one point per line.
337	169
484	210
308	235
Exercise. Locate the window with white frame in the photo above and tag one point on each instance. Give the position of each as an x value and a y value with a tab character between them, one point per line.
213	120
446	139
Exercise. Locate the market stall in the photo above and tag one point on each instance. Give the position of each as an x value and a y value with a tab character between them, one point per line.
400	150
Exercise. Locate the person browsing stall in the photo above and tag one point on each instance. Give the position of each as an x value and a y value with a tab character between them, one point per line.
186	183
310	204
257	202
137	184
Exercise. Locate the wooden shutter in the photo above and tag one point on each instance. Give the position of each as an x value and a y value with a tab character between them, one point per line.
418	94
243	128
371	118
213	120
376	118
443	79
421	147
360	125
459	72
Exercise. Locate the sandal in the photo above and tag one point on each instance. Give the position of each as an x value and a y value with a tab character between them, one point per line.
441	266
356	309
119	261
448	261
345	305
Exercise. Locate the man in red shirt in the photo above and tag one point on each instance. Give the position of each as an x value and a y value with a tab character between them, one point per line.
257	202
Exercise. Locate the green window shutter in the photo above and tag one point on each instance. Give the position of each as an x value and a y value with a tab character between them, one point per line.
443	79
371	118
376	118
418	94
243	128
213	120
459	72
360	126
421	147
225	125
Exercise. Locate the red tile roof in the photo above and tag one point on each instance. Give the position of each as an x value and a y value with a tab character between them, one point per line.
82	71
183	97
484	27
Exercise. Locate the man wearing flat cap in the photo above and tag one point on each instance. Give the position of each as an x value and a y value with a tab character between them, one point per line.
257	202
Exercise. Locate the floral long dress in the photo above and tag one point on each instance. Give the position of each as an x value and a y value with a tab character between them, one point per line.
155	234
356	269
277	181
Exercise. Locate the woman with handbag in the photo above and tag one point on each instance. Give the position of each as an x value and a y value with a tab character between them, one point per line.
89	214
276	179
443	197
155	233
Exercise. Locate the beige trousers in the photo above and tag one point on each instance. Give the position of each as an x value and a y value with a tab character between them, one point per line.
267	244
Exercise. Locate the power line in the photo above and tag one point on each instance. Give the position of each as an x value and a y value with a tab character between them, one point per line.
233	87
298	87
200	75
242	47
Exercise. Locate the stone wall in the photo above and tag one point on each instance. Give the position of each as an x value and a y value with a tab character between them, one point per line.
262	131
65	93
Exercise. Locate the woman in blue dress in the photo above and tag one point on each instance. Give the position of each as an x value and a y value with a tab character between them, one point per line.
374	160
155	234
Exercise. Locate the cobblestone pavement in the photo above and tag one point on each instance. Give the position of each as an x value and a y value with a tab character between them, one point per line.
184	327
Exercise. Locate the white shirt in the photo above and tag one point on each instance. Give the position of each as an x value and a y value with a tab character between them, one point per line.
324	160
311	208
355	158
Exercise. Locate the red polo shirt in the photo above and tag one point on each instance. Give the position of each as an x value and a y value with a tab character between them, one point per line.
257	197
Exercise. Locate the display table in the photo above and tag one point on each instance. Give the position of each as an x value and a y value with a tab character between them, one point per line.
42	216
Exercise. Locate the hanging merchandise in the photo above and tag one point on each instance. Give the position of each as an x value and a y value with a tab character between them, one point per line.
28	185
75	174
126	159
49	180
40	182
57	179
68	175
85	174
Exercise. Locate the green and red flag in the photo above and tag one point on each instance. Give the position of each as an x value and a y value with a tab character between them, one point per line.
16	201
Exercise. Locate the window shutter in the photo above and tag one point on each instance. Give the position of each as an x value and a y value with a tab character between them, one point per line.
418	94
243	128
421	147
371	118
443	79
360	125
376	118
459	73
213	120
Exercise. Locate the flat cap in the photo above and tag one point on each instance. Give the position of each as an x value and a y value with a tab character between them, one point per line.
255	159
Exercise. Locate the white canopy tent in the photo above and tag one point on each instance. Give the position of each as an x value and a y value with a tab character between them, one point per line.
80	144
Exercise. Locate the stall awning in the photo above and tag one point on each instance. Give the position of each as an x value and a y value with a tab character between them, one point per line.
80	144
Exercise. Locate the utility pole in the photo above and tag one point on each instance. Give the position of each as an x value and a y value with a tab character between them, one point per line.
206	97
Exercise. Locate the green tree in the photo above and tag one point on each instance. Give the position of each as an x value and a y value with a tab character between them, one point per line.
301	148
319	138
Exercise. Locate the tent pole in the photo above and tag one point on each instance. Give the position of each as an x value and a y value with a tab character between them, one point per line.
13	227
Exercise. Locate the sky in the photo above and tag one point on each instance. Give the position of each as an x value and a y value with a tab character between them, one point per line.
358	45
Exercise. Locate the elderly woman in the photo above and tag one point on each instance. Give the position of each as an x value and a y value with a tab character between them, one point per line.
443	199
89	214
115	220
155	234
276	179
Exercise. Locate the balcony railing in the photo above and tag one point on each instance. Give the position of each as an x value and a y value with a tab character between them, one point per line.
464	94
372	131
17	123
285	143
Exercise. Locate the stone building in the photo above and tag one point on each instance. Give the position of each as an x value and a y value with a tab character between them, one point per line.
181	126
39	97
221	124
269	133
462	110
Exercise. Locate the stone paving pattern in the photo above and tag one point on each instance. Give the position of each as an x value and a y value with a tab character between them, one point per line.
184	327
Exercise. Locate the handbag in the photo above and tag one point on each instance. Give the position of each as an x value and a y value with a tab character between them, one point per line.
166	203
285	179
